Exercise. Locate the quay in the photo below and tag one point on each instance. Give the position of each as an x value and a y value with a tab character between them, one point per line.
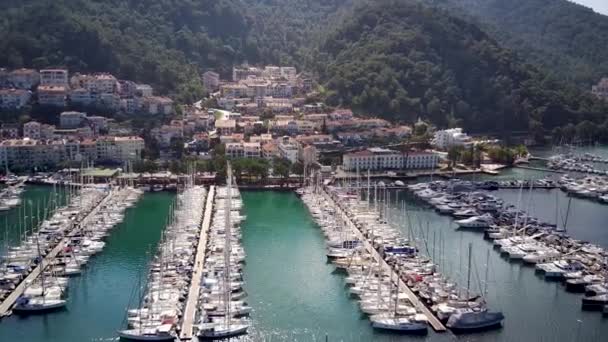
432	319
538	169
187	329
7	304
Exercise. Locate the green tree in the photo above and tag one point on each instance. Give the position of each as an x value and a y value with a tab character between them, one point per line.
281	167
454	153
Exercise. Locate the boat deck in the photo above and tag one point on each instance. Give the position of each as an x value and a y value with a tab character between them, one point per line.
7	304
187	329
432	319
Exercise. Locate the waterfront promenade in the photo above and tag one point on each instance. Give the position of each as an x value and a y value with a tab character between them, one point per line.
7	304
189	320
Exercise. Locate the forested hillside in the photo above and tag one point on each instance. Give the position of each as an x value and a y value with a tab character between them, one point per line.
400	59
568	40
286	31
162	42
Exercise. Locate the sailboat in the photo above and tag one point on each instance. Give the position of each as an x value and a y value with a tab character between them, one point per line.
229	326
473	320
47	300
394	321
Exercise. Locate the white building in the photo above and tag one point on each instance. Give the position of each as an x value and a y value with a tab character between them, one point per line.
69	120
234	150
54	77
252	150
241	73
14	98
157	105
52	95
450	137
288	149
290	74
129	105
225	127
119	149
104	84
82	96
109	101
243	150
378	159
98	83
143	90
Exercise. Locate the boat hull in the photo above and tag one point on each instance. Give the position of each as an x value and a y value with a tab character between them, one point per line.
133	336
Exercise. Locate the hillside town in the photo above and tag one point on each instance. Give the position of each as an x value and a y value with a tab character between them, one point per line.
263	113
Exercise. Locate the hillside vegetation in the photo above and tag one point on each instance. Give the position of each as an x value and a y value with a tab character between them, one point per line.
568	40
162	42
401	59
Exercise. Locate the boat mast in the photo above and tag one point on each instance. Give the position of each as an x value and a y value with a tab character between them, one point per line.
485	289
375	196
469	271
567	214
368	194
396	291
228	233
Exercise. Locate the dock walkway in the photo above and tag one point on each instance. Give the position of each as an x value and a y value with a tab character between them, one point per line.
187	329
7	304
432	319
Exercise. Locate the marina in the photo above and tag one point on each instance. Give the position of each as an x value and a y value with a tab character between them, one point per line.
34	276
10	197
277	231
581	265
159	299
437	299
223	309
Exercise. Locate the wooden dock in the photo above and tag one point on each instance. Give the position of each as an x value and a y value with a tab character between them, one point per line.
7	304
432	319
187	329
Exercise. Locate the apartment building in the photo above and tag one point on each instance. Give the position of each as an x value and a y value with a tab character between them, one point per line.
32	130
288	149
54	77
378	159
23	78
70	120
447	138
49	95
14	98
243	150
119	149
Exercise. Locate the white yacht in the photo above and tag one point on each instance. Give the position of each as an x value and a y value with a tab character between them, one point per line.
483	221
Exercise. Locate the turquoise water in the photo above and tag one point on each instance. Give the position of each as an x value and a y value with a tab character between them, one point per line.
99	297
535	310
297	296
